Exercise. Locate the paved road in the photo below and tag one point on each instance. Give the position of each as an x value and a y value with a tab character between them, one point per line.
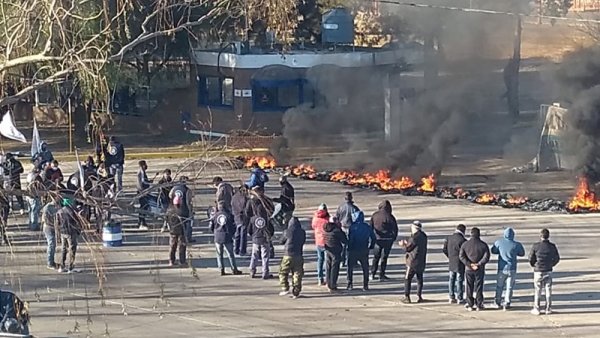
142	297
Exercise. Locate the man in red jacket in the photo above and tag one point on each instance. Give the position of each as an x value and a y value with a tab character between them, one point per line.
318	223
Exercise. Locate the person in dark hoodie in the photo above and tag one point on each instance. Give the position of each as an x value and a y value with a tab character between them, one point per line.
416	260
335	240
223	227
344	216
361	239
261	231
456	279
115	159
543	258
508	251
386	231
474	254
238	204
70	229
293	260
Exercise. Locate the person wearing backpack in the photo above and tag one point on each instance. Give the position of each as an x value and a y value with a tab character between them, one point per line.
258	178
222	226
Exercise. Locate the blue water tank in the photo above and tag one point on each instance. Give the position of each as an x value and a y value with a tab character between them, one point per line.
337	26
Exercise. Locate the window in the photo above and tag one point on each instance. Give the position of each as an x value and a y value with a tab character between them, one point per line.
279	95
215	91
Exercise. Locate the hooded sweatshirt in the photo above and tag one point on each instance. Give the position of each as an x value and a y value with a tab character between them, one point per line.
361	236
318	223
384	223
335	238
294	239
508	250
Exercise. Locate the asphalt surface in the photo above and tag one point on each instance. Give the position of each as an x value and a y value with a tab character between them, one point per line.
131	292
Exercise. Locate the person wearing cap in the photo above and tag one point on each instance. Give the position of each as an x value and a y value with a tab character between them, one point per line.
335	241
238	204
115	159
416	260
12	170
319	220
344	216
258	177
508	251
385	226
181	198
474	254
70	229
456	274
222	225
224	192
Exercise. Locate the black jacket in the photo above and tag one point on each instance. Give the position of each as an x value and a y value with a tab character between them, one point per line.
384	223
260	228
474	251
115	154
294	239
287	191
13	170
238	204
68	221
451	249
174	221
543	256
335	238
416	251
223	227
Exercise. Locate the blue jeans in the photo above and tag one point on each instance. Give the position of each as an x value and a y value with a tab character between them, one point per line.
34	213
117	171
189	228
505	278
51	239
260	252
240	240
320	263
456	285
228	248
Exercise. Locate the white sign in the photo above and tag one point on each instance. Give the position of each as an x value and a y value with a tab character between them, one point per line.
247	93
237	92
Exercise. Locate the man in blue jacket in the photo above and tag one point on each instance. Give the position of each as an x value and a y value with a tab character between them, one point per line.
508	250
361	239
258	178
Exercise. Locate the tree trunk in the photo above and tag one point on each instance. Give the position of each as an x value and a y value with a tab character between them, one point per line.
511	74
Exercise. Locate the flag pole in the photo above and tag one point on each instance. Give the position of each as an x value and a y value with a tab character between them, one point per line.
70	127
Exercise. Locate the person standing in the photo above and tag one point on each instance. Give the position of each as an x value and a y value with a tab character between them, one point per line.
177	240
320	219
54	175
181	198
258	177
361	239
238	204
4	211
224	192
13	169
287	195
508	251
292	260
543	258
143	184
222	226
115	160
474	254
456	269
70	229
386	231
261	231
49	222
416	260
335	240
35	187
344	216
43	157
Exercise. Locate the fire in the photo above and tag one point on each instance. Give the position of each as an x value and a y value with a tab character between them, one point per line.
427	184
460	193
264	162
339	176
486	198
517	200
306	170
381	179
584	198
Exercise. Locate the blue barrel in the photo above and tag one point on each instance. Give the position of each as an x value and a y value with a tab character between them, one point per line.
112	234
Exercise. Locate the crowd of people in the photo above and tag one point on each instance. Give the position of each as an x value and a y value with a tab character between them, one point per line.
345	238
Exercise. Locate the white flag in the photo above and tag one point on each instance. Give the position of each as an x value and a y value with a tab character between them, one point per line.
81	176
35	139
8	129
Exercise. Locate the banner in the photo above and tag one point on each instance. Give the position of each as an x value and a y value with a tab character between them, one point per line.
8	129
35	139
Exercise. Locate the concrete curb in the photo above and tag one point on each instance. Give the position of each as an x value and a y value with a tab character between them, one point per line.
65	157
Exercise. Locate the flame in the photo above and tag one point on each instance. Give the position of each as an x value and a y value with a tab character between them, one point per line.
517	200
427	184
381	179
486	198
460	193
305	170
584	198
264	162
